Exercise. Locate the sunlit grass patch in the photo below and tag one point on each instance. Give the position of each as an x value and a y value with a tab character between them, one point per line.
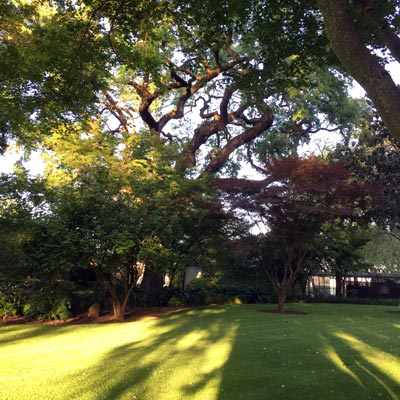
232	352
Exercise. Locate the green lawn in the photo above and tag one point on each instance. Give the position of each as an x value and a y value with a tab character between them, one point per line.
226	353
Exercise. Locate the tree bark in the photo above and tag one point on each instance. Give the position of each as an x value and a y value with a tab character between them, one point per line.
339	284
118	309
381	27
119	300
303	280
249	134
281	301
364	67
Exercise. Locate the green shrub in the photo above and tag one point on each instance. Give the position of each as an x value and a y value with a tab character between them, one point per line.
34	298
34	309
206	291
61	310
196	292
354	300
10	304
141	298
176	302
47	301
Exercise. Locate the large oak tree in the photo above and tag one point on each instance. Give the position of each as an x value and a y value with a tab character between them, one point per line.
364	34
210	80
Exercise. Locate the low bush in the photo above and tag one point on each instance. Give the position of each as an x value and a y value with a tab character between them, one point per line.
47	301
10	302
82	298
34	298
140	298
354	300
207	291
176	302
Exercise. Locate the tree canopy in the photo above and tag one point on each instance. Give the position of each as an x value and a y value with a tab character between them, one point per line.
118	215
210	87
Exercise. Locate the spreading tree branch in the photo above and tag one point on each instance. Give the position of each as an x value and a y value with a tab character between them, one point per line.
381	28
360	63
263	123
122	114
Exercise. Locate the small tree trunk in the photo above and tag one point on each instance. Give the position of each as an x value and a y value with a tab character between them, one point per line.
344	285
118	309
303	285
339	283
281	302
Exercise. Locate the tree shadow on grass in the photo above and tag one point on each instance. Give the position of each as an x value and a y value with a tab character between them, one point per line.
15	333
368	354
180	357
366	369
313	357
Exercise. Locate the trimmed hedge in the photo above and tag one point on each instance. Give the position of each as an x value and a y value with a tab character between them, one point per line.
354	300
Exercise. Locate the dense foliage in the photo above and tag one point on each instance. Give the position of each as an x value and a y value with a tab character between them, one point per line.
301	197
146	111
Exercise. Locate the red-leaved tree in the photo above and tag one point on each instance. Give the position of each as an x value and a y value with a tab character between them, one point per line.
293	203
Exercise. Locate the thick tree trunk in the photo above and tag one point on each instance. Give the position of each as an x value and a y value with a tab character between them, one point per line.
363	66
381	27
120	297
120	301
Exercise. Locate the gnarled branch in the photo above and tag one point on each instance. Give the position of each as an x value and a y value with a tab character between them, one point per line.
263	123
